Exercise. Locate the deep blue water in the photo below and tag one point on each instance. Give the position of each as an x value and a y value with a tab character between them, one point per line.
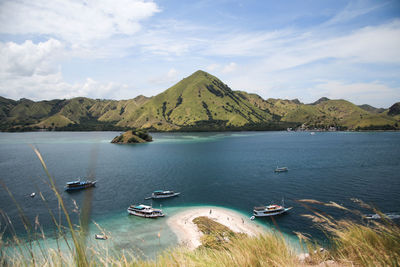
234	170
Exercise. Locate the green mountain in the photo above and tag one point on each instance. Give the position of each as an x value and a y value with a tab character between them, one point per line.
198	102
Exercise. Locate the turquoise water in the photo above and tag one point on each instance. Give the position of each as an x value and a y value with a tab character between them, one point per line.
233	170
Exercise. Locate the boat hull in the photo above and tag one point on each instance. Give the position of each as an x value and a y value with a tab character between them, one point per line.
80	187
164	196
132	212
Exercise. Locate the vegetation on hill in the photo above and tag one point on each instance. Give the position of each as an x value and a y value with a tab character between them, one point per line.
200	102
372	109
133	137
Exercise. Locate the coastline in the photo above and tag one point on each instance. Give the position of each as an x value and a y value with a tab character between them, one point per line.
189	235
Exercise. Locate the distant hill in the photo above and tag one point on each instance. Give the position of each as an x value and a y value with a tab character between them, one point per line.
372	109
196	103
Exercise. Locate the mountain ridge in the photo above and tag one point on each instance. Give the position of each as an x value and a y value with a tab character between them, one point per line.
200	101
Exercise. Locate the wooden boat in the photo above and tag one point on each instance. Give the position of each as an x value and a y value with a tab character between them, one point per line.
145	211
78	185
281	169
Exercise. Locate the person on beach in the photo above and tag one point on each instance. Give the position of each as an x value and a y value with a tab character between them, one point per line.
210	211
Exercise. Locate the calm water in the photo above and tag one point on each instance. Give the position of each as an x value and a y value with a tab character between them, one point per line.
234	170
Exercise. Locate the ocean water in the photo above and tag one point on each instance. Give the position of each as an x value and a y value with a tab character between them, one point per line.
233	170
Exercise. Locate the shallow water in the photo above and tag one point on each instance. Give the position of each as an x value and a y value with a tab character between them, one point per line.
234	170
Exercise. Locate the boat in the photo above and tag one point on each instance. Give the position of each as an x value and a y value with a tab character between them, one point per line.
145	211
281	169
390	216
163	194
33	194
78	184
270	210
101	236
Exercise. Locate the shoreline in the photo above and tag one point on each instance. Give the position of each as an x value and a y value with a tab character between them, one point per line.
189	235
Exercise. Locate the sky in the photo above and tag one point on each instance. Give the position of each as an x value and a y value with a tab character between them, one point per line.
119	49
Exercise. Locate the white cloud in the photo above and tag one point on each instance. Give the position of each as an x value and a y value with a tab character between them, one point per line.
353	10
212	67
166	79
27	59
74	21
53	86
231	67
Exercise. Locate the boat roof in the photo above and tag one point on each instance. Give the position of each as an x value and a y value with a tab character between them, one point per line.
74	182
141	207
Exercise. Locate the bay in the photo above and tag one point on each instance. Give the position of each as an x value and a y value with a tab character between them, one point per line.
231	169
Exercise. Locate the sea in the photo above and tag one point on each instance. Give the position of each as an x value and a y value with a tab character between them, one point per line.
234	170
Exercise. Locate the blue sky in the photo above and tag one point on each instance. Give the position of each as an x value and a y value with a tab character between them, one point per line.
277	49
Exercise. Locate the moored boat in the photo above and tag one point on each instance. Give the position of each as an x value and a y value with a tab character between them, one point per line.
270	210
163	194
78	184
145	211
386	216
101	236
281	169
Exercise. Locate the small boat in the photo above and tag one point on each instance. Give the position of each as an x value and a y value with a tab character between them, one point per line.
163	194
390	216
312	133
270	210
145	211
281	169
33	194
78	184
103	237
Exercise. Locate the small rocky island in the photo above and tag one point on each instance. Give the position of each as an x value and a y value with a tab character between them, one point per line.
133	137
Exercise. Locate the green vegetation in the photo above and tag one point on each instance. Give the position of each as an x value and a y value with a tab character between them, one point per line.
215	235
133	137
200	102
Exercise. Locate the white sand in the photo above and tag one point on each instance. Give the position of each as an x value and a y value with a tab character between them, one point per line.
189	235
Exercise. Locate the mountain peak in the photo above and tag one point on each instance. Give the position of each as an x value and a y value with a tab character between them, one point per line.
322	99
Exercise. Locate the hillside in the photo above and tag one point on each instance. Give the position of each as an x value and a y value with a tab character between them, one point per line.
198	102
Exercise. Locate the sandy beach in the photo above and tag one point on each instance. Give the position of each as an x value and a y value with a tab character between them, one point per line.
189	235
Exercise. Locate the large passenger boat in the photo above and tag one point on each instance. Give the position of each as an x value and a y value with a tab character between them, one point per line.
145	211
270	210
78	184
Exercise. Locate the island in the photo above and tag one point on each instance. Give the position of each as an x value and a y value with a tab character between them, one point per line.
133	137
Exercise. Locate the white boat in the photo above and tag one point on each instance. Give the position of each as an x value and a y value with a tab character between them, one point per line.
390	216
270	210
98	236
281	169
163	194
145	211
33	194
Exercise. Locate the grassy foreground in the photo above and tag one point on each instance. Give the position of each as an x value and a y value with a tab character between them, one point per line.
353	244
372	243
